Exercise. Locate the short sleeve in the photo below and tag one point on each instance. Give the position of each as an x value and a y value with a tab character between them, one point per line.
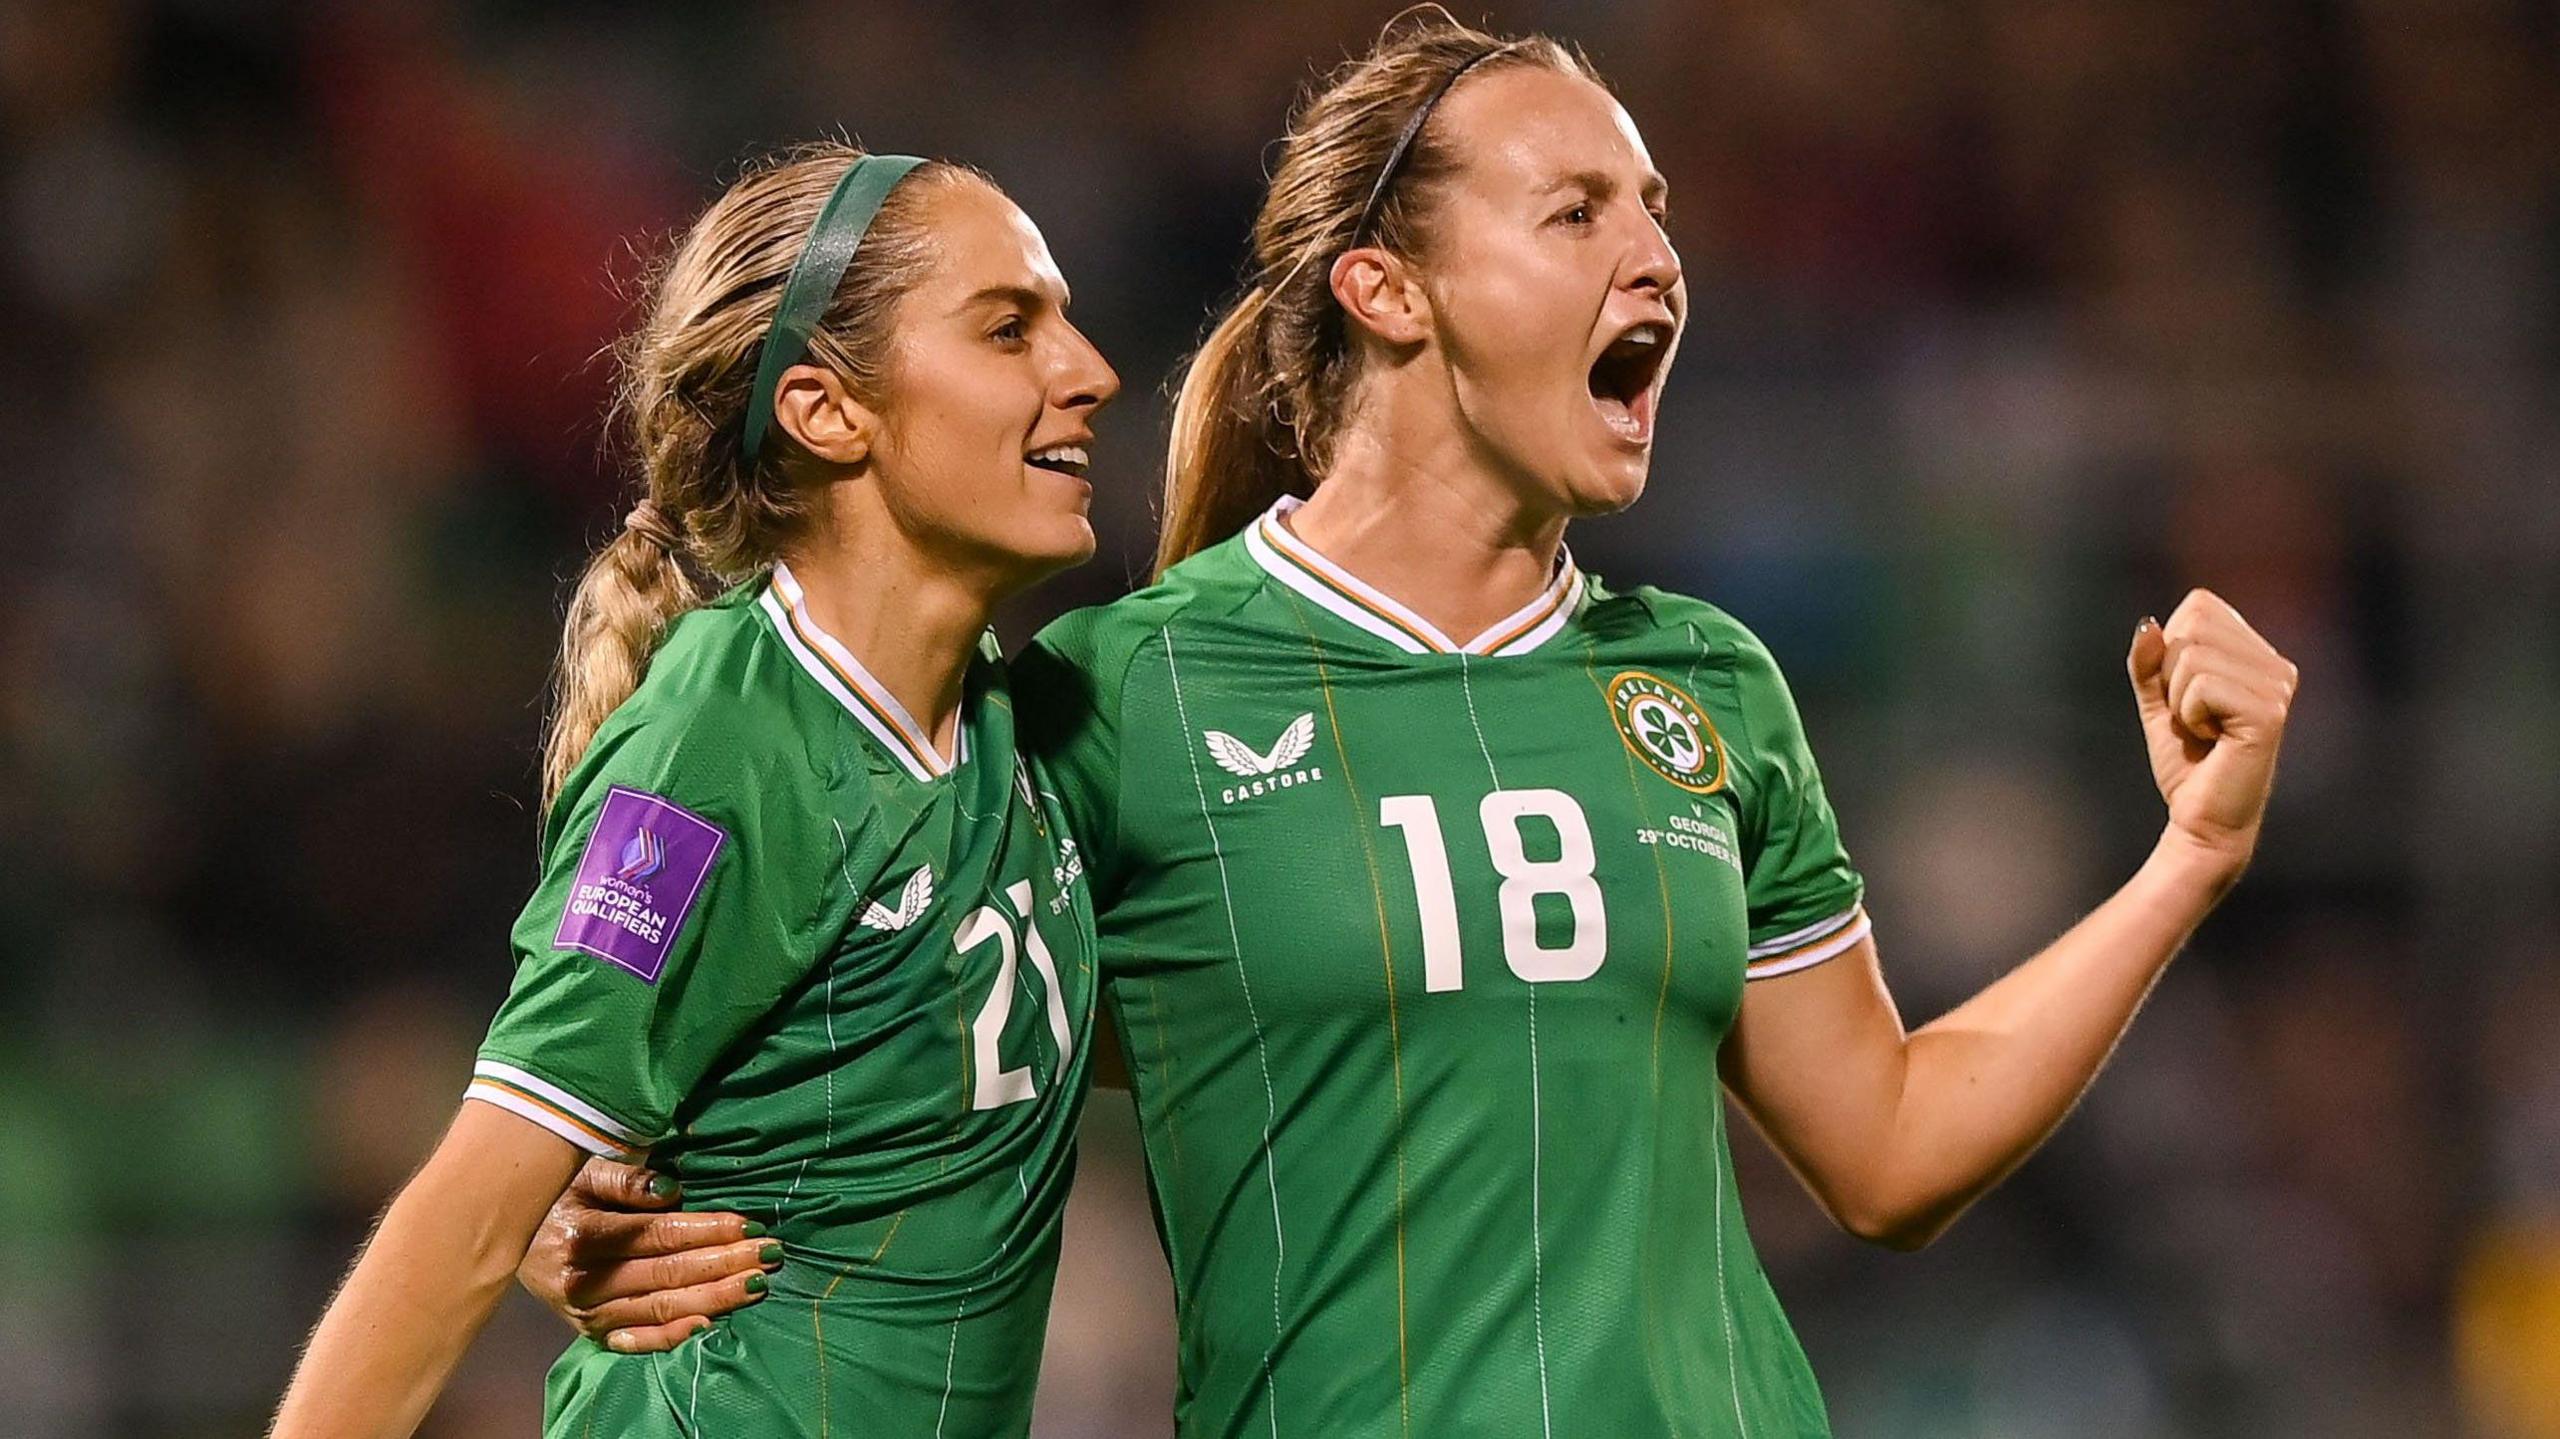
670	918
1804	896
1066	689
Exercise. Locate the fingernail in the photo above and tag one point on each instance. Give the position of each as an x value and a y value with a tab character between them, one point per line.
755	1284
617	1343
662	1186
755	1230
771	1253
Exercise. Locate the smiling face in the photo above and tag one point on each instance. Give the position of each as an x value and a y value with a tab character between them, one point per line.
987	424
1555	295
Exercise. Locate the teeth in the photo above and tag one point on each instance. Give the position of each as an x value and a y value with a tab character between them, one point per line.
1060	454
1646	335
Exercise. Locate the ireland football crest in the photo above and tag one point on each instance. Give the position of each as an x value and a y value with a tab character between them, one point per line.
1668	731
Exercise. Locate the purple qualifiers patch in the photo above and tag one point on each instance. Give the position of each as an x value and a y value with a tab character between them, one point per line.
637	881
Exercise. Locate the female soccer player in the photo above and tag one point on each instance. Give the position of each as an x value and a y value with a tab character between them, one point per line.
1443	888
804	925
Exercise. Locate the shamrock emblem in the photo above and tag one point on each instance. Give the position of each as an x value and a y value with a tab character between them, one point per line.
1666	729
1667	734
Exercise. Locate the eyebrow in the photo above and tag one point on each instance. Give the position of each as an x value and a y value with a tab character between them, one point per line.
1020	295
1603	185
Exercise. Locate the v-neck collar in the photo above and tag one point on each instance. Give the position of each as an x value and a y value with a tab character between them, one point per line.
1297	564
841	675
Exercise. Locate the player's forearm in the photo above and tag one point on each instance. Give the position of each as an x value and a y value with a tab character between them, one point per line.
385	1347
434	1270
1986	1083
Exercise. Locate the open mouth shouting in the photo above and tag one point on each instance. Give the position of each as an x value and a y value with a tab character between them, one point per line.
1624	381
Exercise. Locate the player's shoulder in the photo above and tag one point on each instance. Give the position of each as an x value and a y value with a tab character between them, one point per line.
717	722
1101	640
1650	610
715	679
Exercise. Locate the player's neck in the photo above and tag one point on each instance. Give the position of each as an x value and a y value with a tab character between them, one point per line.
910	620
1419	518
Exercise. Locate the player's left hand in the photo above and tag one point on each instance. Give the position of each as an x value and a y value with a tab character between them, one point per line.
2213	696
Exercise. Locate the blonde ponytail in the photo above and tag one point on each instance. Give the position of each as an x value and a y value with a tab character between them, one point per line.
631	591
1229	459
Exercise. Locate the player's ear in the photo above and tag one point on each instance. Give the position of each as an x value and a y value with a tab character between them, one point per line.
821	411
1380	293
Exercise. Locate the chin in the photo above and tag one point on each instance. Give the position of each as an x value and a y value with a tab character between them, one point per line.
1027	553
1607	488
1062	542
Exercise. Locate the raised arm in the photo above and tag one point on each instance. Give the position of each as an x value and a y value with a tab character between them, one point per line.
1897	1133
428	1279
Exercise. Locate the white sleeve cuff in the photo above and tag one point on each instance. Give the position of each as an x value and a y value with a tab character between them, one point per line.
1804	948
530	1096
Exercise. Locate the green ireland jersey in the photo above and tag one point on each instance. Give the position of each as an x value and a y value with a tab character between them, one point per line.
834	983
1421	953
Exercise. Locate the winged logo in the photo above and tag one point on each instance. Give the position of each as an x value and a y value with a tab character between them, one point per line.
1238	758
913	901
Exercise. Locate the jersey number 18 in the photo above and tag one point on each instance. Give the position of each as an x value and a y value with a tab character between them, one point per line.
1523	880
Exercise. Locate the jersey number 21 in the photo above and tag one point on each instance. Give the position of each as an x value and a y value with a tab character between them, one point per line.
996	1085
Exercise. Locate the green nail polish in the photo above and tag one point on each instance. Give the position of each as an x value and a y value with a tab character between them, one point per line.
755	1230
771	1253
755	1284
662	1186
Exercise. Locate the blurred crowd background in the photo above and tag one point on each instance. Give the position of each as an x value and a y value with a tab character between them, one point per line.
2012	319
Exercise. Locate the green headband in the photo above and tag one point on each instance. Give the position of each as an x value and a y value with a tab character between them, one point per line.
815	275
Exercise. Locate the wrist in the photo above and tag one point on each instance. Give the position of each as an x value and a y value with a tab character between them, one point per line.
2197	868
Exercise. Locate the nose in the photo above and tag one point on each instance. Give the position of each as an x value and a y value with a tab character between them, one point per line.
1086	381
1652	265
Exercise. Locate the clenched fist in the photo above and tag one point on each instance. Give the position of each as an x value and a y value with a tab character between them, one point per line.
2213	696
